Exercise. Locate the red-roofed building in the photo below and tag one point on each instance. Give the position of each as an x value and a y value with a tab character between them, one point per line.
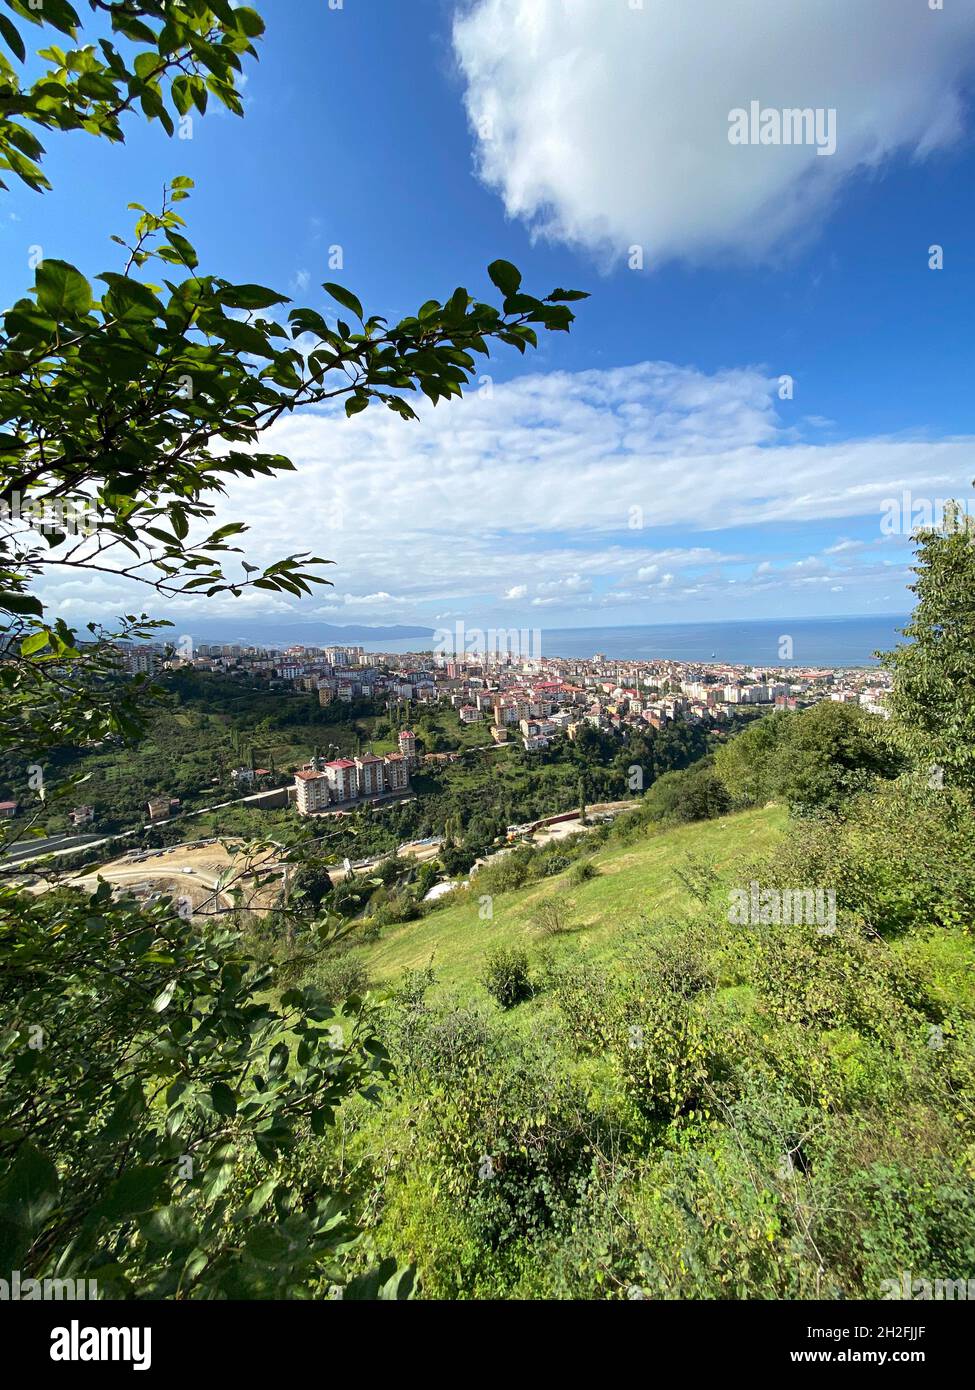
342	781
397	772
312	792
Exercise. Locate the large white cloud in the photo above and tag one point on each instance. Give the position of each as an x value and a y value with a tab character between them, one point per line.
604	123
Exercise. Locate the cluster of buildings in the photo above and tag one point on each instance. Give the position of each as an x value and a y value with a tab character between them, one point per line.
565	695
531	700
535	698
322	786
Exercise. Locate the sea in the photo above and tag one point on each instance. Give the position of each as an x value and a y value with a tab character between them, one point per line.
832	642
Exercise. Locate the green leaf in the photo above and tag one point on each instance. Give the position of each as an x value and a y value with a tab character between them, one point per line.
223	1098
137	1190
12	38
163	1000
506	276
250	297
36	642
29	1190
21	603
170	1227
62	291
344	297
186	252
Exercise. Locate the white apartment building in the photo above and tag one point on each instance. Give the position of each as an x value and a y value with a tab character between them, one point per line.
371	775
312	792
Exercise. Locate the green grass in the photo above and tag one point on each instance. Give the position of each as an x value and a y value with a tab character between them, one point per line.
632	879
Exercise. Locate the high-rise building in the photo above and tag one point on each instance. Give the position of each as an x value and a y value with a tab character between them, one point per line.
312	792
342	781
371	775
397	771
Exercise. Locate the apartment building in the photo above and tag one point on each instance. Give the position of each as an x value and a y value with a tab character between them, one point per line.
350	779
397	769
343	782
312	792
370	775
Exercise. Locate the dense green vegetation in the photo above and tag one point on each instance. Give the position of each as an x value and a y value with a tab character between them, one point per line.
655	1099
606	1083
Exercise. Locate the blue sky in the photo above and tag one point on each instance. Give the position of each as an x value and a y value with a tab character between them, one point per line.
587	487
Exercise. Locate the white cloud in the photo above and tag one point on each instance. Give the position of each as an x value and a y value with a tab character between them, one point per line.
606	125
530	494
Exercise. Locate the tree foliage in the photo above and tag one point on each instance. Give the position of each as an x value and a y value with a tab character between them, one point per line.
154	1103
816	759
933	699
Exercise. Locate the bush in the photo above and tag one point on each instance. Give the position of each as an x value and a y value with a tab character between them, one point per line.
555	864
507	977
666	1060
586	997
553	916
509	872
583	872
341	977
456	859
697	793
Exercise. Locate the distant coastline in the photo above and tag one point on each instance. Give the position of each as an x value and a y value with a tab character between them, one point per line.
849	641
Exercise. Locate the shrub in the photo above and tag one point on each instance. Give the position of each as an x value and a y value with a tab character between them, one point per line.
555	864
509	872
553	916
341	977
507	977
587	999
665	1059
697	793
699	875
583	872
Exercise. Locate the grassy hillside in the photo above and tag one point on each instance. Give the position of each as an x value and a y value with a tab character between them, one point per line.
631	879
676	1105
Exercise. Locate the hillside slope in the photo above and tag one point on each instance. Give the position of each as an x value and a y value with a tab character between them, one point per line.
631	879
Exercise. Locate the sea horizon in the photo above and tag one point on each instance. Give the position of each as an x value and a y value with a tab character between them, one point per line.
841	641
